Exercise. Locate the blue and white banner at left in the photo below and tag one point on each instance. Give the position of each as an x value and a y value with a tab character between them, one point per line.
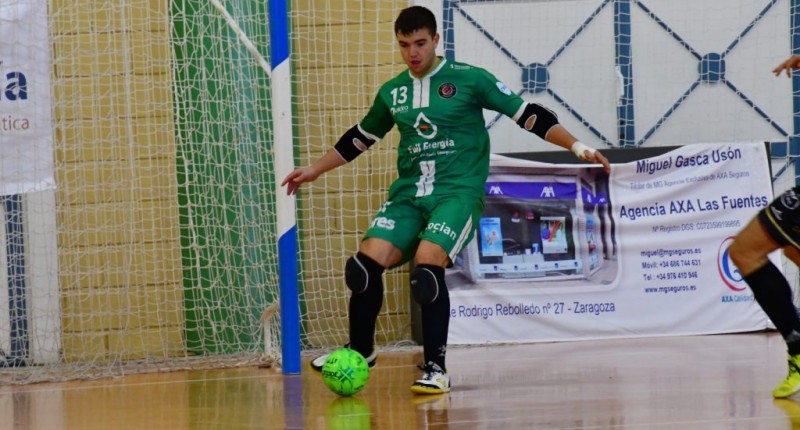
26	131
568	252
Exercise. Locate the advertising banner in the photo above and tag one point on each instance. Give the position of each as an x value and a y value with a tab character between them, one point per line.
26	136
568	252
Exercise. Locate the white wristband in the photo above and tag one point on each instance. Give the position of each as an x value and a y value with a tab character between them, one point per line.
582	151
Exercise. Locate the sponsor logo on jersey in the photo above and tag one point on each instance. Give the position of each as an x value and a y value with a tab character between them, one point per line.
425	127
442	227
503	88
447	90
437	145
383	222
398	109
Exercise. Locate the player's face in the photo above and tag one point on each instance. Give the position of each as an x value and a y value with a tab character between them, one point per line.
418	50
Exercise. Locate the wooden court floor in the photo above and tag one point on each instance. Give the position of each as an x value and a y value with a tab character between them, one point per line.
693	382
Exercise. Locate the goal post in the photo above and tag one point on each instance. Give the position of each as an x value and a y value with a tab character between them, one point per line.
282	119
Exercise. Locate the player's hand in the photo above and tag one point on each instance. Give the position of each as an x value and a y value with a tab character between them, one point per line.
590	155
297	177
599	158
790	63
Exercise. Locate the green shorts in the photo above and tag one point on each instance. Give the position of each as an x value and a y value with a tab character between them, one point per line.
449	222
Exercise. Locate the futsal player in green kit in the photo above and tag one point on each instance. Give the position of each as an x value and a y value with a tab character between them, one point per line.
434	204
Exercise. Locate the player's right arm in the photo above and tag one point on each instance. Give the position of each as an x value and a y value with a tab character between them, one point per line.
353	143
329	161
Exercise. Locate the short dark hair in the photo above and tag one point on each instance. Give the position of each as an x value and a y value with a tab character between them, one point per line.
415	18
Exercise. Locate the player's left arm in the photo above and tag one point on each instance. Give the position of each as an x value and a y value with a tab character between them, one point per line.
533	117
543	122
559	135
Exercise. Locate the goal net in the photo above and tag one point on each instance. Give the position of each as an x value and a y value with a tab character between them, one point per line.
151	247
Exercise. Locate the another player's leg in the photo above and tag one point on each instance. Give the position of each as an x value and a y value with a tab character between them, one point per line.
793	254
749	252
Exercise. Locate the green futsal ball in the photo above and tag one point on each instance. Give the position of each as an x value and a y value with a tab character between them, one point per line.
345	372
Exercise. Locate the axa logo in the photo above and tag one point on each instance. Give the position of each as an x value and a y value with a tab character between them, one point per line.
548	191
13	86
425	127
728	272
495	190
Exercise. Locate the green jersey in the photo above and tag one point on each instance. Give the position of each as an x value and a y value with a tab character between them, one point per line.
444	146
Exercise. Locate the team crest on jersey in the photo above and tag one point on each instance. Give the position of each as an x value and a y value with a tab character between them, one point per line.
447	90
